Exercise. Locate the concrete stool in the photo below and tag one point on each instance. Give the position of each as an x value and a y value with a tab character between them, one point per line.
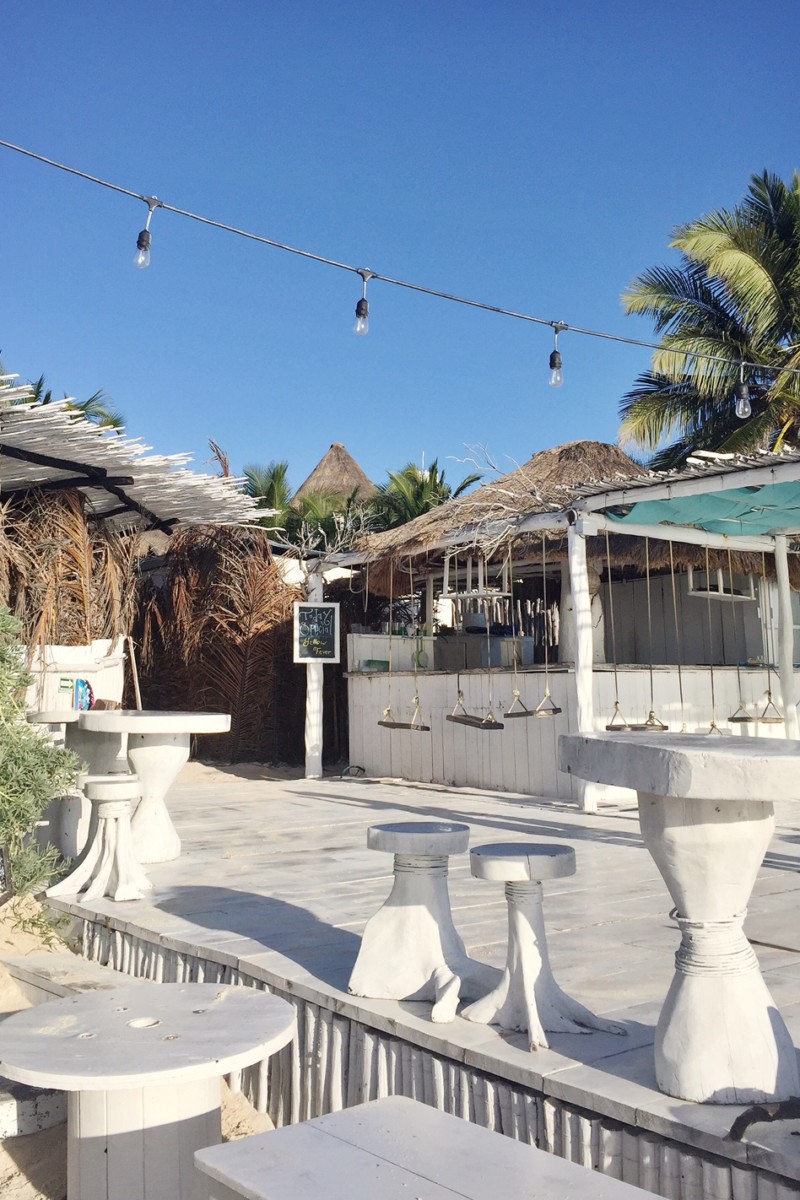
527	998
410	949
108	866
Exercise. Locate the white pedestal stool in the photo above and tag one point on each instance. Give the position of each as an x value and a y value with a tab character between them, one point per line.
108	866
410	949
527	998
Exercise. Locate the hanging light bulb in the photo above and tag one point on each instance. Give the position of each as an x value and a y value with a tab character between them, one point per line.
742	396
556	374
361	326
362	318
141	258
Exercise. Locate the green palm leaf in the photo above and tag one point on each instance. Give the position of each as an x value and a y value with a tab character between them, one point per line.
734	299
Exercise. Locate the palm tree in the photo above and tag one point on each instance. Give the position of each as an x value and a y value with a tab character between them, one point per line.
98	408
415	490
269	485
735	296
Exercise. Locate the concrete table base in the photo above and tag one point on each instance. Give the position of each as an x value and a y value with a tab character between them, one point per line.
410	949
158	747
719	1038
706	815
108	866
157	760
527	998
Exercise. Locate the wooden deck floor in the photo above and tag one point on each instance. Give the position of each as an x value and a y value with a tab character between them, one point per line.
275	873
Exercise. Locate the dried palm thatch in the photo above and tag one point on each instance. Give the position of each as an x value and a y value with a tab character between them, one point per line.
487	520
67	581
487	517
336	474
217	636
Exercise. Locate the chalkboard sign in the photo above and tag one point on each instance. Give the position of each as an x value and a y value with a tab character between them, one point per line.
316	632
5	876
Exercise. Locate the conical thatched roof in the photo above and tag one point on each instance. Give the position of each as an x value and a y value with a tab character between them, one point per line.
548	482
337	474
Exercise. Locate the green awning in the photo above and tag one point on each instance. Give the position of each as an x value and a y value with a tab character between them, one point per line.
753	511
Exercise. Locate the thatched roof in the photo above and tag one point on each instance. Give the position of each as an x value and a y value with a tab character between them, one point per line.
337	474
548	482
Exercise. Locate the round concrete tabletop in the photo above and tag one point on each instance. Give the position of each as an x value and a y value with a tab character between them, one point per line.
514	862
693	766
131	720
419	837
137	1036
56	716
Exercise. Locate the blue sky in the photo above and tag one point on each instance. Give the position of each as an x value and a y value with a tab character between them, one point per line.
529	155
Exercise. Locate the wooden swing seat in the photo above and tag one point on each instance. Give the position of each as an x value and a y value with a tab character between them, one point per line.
487	724
391	724
651	725
518	708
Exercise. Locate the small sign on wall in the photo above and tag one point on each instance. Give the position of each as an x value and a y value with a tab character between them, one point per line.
316	632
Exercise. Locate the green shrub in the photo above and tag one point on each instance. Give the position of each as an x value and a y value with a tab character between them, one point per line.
32	770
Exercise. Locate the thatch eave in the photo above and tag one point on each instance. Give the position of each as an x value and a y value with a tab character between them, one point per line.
493	515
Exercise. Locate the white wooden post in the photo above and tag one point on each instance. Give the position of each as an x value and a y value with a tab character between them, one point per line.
430	604
584	650
314	680
786	639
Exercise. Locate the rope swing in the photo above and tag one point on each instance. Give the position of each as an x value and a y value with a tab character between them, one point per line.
416	724
617	724
652	724
546	707
517	708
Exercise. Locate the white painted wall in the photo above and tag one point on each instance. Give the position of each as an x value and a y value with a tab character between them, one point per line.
522	757
735	628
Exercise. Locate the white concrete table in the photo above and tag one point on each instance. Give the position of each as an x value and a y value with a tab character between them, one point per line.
142	1067
396	1149
527	998
410	949
101	756
158	747
109	866
706	815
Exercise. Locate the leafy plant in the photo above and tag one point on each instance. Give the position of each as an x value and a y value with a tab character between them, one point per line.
734	296
32	770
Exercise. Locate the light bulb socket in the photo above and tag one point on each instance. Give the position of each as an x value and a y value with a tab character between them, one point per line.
741	393
144	240
555	361
362	309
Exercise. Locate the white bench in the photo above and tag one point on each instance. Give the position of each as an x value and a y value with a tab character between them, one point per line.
395	1149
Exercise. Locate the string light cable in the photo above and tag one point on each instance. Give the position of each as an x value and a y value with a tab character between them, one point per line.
362	308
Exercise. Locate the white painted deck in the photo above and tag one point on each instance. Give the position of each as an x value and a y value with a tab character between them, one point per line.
275	882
